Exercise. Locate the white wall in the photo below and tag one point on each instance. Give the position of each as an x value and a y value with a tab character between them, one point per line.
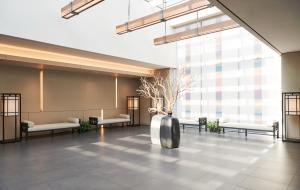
93	30
290	69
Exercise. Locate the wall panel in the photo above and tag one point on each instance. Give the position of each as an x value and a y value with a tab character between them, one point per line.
67	94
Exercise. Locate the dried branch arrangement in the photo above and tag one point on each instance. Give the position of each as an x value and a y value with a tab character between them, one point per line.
168	86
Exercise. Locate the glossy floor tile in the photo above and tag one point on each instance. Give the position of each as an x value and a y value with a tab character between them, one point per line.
123	158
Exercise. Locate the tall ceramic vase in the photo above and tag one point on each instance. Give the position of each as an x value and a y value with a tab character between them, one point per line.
169	132
155	129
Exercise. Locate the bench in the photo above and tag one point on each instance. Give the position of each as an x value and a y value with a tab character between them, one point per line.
202	121
274	128
29	127
97	121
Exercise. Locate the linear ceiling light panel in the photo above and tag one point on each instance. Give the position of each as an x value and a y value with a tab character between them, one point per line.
218	27
164	15
77	6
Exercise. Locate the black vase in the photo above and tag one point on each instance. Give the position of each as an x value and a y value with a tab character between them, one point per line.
169	132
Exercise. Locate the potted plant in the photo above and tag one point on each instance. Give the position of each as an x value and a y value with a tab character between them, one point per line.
170	87
85	126
213	127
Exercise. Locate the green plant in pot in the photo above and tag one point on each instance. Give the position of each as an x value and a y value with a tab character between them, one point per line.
85	126
213	127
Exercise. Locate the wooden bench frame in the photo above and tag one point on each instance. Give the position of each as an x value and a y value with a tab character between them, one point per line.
275	129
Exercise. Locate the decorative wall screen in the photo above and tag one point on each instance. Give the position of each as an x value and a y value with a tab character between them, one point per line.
235	76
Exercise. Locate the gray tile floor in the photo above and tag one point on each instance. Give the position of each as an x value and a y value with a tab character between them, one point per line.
123	158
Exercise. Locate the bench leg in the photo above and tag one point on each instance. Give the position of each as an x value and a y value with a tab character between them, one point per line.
52	133
200	128
26	135
183	128
246	132
277	133
223	130
72	130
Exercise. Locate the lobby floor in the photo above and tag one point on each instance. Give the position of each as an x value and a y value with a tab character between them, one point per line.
123	158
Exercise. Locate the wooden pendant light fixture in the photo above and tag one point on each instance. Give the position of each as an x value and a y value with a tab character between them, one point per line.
191	6
77	6
163	15
199	31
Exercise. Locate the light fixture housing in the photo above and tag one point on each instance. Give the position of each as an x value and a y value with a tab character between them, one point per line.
163	15
292	104
218	27
133	102
10	117
77	6
11	105
291	116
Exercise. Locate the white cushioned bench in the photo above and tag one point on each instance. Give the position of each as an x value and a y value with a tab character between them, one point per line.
274	128
97	121
29	127
194	122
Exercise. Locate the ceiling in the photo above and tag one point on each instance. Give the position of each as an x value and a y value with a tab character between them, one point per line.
276	22
42	55
71	51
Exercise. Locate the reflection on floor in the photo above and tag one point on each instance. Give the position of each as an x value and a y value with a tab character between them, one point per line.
123	158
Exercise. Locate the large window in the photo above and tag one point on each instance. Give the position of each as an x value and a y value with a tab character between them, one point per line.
235	77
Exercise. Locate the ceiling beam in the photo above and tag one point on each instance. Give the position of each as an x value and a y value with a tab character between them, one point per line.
218	27
163	15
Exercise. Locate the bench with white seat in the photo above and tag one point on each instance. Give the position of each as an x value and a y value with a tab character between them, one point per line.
202	121
274	128
98	121
29	127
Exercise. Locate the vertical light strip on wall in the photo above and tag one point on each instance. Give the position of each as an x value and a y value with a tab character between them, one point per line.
102	116
116	84
41	90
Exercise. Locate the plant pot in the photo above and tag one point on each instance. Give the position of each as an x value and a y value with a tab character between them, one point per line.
155	129
169	132
211	130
